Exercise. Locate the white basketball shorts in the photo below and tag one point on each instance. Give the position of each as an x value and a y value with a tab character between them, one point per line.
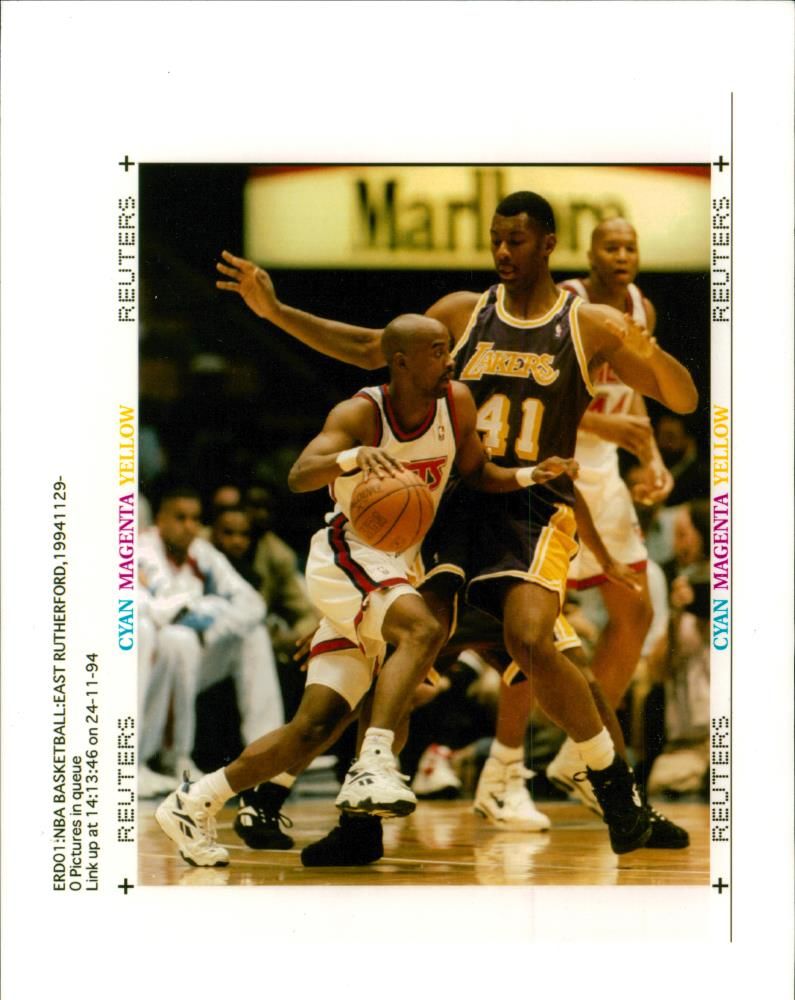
352	586
613	513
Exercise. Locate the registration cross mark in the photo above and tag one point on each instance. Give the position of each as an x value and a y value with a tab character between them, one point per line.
720	885
720	163
126	885
126	163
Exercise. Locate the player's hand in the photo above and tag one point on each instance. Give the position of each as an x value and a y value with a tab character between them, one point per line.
553	466
250	282
634	337
302	647
630	432
655	486
620	573
376	461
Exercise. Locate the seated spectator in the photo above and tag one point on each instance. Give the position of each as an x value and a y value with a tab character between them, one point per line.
207	624
691	543
155	686
679	662
682	665
226	495
679	451
230	533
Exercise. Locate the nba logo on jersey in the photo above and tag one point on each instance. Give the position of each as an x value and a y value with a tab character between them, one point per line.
558	330
441	432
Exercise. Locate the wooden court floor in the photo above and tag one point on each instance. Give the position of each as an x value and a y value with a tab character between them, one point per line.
442	843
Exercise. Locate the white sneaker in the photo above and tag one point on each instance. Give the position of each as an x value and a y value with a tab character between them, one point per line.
568	773
184	817
152	785
503	799
374	785
435	778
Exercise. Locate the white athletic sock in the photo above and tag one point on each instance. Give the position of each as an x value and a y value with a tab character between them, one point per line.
598	752
505	755
377	741
569	751
214	787
284	779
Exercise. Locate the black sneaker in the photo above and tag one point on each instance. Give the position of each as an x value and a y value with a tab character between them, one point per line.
357	840
665	834
628	820
258	818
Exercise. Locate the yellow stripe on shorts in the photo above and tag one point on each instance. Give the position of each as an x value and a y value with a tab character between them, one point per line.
565	635
555	548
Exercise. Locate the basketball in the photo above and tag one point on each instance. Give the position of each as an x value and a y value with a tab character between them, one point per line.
392	513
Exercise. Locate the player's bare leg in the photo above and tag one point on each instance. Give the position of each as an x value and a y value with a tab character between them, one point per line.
259	817
320	716
513	710
357	839
618	650
609	674
373	784
604	708
529	613
566	769
417	638
187	816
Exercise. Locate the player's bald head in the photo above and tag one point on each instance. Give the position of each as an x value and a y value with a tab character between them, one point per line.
613	228
410	330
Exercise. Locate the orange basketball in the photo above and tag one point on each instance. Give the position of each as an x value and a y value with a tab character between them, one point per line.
392	513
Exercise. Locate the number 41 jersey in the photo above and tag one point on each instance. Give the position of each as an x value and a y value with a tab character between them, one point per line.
530	381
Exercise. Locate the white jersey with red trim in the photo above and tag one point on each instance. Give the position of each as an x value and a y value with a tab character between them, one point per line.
429	450
611	395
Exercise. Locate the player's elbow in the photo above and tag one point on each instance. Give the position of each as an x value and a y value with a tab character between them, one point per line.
370	354
296	479
688	401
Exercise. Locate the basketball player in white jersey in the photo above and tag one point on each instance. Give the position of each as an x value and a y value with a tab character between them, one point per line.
422	420
616	418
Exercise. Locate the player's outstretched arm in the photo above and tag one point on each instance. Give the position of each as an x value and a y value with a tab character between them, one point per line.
482	474
340	447
357	345
636	357
615	571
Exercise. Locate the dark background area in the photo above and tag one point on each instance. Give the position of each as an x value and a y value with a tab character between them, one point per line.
229	396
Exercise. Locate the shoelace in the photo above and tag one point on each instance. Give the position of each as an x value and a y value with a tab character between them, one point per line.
379	764
272	817
206	825
581	777
204	821
212	829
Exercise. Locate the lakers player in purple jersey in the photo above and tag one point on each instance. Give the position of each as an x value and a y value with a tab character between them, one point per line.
526	350
616	417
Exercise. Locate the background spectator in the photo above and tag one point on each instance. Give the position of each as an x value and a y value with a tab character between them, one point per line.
208	625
